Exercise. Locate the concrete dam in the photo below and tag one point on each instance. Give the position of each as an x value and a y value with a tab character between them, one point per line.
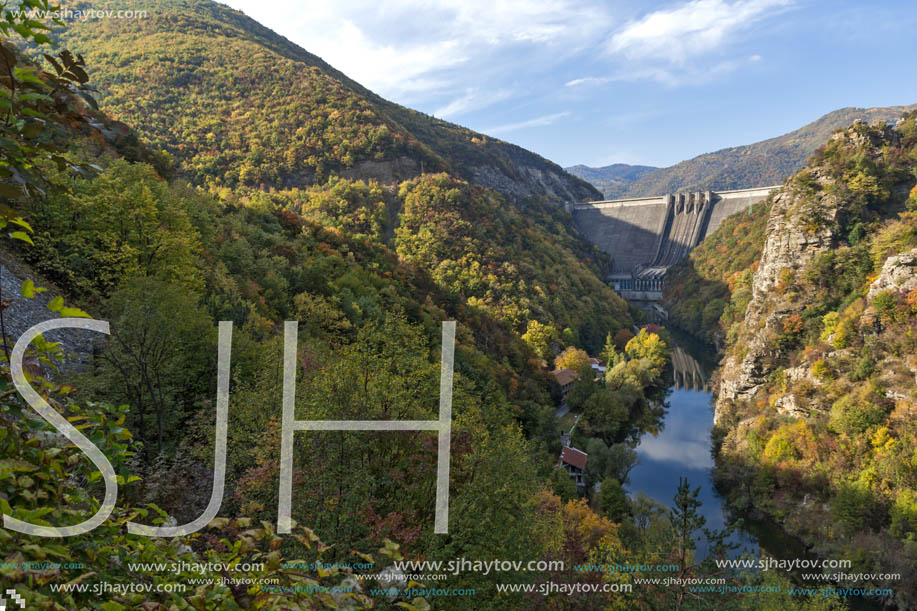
645	236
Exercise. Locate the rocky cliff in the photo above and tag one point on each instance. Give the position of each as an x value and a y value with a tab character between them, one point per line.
810	216
817	393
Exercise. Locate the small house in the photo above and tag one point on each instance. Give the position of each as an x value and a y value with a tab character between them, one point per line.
565	378
574	461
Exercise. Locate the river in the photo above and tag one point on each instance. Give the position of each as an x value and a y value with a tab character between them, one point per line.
683	447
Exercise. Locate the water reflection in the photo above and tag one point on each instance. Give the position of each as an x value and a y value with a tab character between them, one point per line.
682	448
687	372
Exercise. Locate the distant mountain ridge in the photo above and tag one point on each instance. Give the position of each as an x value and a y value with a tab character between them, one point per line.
760	164
611	178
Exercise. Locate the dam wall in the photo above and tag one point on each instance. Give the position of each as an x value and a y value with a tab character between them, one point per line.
731	202
629	230
645	236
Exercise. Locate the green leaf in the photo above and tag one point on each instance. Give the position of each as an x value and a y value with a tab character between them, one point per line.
21	235
27	75
35	97
22	223
68	312
12	465
29	289
56	304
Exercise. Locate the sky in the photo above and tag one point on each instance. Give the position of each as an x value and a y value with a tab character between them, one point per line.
593	82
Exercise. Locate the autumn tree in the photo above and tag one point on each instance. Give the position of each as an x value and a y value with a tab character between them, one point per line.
539	338
648	346
572	358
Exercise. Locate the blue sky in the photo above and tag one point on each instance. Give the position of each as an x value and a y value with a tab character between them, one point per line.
585	81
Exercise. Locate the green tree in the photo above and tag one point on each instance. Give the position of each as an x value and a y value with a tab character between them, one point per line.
606	412
126	222
159	358
562	484
539	338
686	520
610	353
612	499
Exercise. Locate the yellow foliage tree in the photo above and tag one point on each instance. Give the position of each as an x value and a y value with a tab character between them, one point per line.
572	358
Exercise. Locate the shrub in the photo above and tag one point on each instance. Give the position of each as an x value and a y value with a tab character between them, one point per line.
856	412
853	506
829	322
904	515
885	305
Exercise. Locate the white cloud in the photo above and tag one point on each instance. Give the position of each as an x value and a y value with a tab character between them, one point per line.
682	45
473	99
587	80
677	35
688	453
672	76
680	76
433	51
536	122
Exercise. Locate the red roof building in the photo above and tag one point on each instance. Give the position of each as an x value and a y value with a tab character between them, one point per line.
574	457
574	461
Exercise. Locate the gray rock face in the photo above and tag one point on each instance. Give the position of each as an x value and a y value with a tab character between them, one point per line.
789	405
23	314
386	172
533	182
804	222
529	181
790	244
898	274
740	379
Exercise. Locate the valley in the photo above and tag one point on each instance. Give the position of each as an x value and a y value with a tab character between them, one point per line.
714	365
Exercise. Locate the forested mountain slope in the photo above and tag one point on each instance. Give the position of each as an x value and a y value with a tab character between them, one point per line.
245	112
238	105
761	164
164	260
